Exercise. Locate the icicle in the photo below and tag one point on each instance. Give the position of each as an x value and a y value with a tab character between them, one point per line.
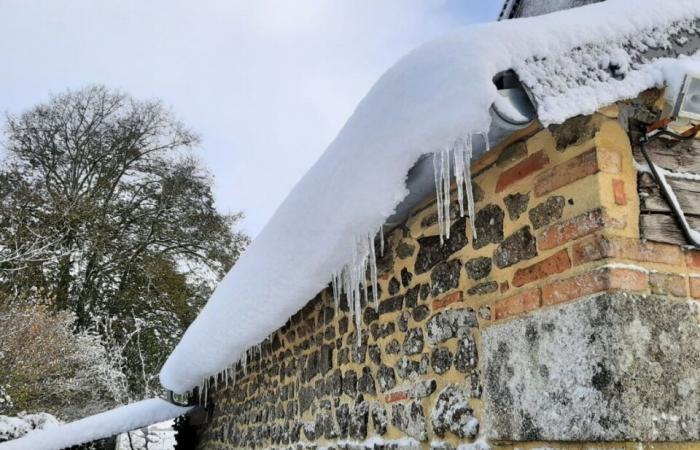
336	291
467	150
205	394
381	242
446	190
373	269
437	169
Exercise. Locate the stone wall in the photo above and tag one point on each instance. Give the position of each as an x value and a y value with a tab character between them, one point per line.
556	323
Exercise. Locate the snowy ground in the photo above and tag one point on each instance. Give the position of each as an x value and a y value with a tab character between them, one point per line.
161	436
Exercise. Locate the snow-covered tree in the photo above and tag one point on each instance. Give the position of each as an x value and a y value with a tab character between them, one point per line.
105	211
46	366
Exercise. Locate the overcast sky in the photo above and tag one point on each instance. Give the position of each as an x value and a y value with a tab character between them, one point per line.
267	83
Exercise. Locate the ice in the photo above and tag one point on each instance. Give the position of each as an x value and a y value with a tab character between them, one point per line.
110	423
428	101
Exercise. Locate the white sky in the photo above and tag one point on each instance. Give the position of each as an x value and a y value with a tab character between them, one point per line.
267	83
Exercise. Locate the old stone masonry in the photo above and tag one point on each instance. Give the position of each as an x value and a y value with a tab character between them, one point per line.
558	326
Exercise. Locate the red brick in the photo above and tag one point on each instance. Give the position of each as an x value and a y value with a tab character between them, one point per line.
396	396
693	259
668	284
520	303
618	187
695	287
522	170
443	302
600	247
593	282
557	263
574	228
567	172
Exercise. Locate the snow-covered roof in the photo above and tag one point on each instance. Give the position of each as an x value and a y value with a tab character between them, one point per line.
574	62
529	8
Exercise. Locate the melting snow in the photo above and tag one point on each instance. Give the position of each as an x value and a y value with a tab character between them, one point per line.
434	100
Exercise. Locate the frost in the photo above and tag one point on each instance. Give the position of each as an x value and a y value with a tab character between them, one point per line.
428	103
15	427
110	423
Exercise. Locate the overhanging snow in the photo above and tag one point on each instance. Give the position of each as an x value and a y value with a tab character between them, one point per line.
99	426
438	94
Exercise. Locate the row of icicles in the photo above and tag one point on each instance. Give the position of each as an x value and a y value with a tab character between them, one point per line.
352	279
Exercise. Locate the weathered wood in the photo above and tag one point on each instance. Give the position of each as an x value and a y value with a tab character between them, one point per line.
677	156
663	228
687	192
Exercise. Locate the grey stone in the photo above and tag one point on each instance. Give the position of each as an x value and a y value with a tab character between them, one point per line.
404	317
335	383
614	367
466	358
483	288
342	418
478	268
547	212
369	315
445	276
450	323
424	291
422	389
413	344
517	247
394	286
488	222
512	153
343	356
385	261
406	277
306	398
452	413
574	131
393	347
350	383
441	360
390	305
380	331
343	325
386	378
409	369
516	204
366	382
410	419
420	313
485	312
405	250
358	419
375	354
432	252
411	297
379	419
